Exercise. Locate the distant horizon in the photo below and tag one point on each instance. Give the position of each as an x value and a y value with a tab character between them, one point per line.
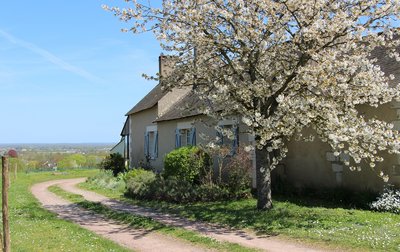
61	143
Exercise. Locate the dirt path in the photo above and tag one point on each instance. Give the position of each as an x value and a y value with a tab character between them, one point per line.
244	238
136	239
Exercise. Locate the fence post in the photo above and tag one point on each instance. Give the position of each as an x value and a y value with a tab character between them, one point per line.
5	186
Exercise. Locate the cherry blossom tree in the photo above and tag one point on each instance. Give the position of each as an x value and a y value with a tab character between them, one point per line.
283	66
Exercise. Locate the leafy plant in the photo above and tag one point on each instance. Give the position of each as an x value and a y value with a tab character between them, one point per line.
133	173
106	179
114	162
186	163
139	183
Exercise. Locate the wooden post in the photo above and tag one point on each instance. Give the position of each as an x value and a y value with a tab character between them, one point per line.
6	227
15	170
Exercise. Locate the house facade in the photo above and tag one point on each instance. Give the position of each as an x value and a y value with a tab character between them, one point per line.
159	124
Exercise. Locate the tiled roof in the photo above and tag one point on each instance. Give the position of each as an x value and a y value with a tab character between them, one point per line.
186	107
149	101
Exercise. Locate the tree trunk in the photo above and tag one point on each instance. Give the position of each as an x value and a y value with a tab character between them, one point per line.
263	178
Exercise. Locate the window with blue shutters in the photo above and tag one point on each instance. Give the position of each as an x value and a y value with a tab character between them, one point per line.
228	135
184	137
151	143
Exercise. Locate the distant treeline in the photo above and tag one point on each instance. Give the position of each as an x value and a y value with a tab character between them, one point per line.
52	157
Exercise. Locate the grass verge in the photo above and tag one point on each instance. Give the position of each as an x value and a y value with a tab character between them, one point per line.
36	229
334	227
136	221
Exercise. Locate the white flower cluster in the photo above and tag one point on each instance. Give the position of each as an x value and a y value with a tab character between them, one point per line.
388	201
284	65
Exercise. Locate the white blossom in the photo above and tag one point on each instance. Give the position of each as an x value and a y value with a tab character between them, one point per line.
283	65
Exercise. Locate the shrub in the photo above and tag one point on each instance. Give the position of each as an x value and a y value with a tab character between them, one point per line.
186	164
173	189
114	162
237	179
186	179
106	179
388	201
139	184
133	173
212	192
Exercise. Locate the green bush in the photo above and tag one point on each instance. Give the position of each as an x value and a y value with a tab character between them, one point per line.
186	164
133	173
172	189
114	162
186	179
139	184
106	179
149	186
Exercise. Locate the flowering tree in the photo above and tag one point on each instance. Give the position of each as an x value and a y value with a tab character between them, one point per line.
284	66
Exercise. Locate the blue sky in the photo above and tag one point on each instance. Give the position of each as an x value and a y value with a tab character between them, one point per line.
67	72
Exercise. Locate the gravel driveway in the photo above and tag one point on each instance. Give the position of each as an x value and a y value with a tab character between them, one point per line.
143	240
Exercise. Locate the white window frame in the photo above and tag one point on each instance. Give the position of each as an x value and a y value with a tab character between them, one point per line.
190	136
151	148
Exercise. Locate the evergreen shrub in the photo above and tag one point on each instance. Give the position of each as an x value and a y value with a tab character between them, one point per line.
114	162
186	164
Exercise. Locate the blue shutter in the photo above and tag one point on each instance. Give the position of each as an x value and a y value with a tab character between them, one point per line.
146	144
155	153
193	136
177	138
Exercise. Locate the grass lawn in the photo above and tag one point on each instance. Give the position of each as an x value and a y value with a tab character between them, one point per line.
36	229
336	227
136	221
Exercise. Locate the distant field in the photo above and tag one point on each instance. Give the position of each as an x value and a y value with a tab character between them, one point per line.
61	156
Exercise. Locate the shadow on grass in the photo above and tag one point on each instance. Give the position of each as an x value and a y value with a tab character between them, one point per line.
242	214
288	213
132	220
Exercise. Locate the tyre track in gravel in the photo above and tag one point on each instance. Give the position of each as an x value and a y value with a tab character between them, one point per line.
135	239
224	234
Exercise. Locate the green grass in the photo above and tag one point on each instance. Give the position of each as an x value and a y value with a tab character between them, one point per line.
333	227
36	229
136	221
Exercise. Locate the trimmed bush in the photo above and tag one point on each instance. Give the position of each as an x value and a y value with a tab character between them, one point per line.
114	162
186	164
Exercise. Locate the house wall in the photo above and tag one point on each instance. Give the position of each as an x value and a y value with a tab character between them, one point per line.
166	143
138	123
205	131
307	165
166	137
